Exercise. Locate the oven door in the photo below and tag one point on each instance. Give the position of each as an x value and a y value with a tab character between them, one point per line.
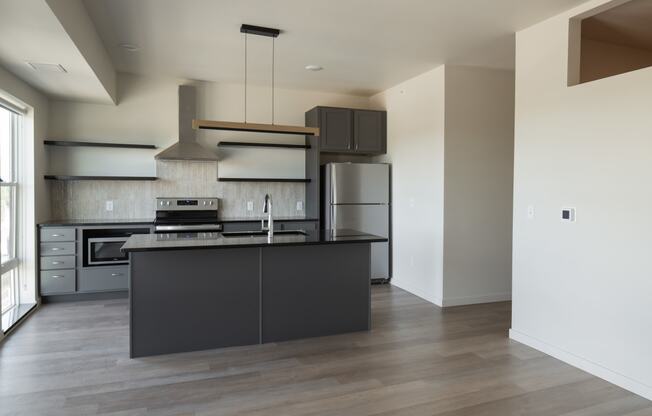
106	250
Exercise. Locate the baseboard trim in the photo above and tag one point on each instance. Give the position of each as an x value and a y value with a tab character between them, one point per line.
590	367
472	300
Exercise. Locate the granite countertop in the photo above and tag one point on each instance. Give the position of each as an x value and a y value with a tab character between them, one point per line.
157	242
104	221
120	221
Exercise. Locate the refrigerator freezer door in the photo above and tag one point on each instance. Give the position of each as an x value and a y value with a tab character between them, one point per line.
359	183
371	219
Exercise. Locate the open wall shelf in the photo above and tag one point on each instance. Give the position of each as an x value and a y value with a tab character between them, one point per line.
262	180
271	145
70	143
99	178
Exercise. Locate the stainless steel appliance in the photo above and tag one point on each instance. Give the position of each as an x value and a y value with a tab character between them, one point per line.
357	196
102	246
186	215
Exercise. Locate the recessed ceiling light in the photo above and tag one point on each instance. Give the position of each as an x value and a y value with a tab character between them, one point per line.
129	47
313	68
43	67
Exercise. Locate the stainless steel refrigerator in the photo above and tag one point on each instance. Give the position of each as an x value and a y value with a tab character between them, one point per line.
357	197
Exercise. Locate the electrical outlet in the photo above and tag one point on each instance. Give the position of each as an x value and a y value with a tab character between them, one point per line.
109	205
250	205
299	205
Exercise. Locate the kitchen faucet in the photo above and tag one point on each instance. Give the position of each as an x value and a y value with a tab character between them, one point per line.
267	209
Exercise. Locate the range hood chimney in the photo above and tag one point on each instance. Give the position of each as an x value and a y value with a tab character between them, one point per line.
187	147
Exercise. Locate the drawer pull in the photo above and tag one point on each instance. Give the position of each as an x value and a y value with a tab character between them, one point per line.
117	274
57	262
56	235
56	249
58	276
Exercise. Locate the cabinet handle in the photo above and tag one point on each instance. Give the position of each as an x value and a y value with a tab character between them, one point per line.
56	248
57	262
56	235
116	274
58	276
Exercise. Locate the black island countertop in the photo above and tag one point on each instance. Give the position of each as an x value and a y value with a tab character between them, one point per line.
157	242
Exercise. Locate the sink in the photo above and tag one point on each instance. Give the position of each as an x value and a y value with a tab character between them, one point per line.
261	233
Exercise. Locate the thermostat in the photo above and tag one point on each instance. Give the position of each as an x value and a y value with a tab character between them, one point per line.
568	214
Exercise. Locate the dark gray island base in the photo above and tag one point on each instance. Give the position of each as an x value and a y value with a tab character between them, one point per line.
197	293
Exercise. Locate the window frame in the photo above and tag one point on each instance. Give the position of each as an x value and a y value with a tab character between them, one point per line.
12	264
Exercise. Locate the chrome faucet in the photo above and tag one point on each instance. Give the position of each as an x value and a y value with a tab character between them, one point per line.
267	209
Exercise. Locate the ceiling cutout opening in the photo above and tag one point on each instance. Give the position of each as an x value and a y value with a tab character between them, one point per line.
611	40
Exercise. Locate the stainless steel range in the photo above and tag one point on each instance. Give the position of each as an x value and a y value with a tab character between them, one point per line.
186	215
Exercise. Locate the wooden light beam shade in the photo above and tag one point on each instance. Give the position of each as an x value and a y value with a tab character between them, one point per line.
253	127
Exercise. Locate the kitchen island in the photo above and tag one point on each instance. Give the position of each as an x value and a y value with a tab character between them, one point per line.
201	291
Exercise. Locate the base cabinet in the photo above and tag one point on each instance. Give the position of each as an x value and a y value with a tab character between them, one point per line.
103	278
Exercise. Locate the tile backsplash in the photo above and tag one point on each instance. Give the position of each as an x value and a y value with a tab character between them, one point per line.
136	199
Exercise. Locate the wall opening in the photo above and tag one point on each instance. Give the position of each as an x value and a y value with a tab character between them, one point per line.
609	41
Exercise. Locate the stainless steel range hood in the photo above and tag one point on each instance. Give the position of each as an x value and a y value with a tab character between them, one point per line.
187	147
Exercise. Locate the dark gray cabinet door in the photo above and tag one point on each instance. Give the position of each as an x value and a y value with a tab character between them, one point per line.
336	129
369	131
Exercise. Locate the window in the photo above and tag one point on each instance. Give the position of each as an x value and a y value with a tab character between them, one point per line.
9	132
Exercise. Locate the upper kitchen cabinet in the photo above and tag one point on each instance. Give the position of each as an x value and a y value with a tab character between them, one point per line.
370	131
345	130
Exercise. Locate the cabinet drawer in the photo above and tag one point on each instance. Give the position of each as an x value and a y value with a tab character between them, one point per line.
104	278
57	249
57	262
57	281
57	234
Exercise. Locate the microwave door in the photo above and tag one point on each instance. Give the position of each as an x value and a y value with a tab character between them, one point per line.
106	251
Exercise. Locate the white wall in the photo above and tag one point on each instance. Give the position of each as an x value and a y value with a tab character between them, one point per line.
478	185
415	147
450	142
582	291
148	113
34	193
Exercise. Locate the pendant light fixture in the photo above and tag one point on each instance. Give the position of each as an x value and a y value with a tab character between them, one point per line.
256	127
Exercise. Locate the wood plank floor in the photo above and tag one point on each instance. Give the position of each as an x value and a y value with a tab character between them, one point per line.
72	359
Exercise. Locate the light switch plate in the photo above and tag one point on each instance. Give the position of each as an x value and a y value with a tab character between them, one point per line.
109	205
299	205
568	214
250	205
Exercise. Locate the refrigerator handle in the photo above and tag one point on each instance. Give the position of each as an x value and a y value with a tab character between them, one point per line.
333	223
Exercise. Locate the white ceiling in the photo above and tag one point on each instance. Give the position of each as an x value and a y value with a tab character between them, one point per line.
30	32
364	45
628	24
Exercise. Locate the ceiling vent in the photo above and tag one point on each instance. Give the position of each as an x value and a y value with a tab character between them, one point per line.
41	67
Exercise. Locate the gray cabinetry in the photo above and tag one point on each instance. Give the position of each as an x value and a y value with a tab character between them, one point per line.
104	278
64	271
335	129
58	262
57	281
369	135
51	234
345	130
